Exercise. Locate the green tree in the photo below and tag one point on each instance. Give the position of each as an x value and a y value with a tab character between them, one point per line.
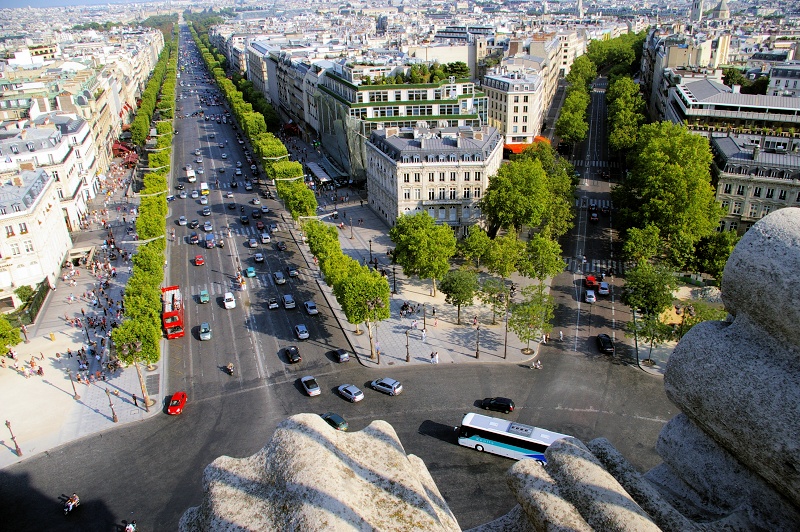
649	288
518	195
422	247
642	244
651	330
571	127
530	318
583	71
24	293
459	69
542	258
505	255
701	312
364	297
9	336
669	186
493	292
712	252
459	287
734	76
475	244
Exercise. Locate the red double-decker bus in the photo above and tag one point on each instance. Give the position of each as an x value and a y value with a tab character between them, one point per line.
172	312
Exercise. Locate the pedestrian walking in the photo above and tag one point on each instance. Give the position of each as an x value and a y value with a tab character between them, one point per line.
432	355
475	321
414	324
435	322
560	336
424	334
544	338
433	312
135	402
436	357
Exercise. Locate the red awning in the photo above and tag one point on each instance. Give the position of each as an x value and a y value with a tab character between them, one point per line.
516	148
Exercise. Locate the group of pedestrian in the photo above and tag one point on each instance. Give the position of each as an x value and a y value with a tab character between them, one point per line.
434	357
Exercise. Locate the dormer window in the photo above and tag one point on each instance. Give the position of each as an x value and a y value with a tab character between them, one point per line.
14	148
30	146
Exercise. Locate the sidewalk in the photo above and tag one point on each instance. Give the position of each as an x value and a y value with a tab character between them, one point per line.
41	409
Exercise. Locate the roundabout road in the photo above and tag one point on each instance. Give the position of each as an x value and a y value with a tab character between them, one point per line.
152	471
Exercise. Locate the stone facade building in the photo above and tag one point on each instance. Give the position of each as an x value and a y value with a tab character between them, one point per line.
443	172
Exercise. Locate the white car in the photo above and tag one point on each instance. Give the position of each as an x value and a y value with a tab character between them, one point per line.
201	171
224	155
203	200
207	227
183	194
182	220
238	164
256	201
258	257
590	297
279	278
264	209
265	238
311	307
229	194
310	386
195	194
301	332
350	392
230	301
199	160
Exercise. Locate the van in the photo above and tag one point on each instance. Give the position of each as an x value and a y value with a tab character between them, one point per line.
210	242
288	301
204	189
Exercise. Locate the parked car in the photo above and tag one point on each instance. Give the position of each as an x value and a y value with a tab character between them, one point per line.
301	332
293	354
350	392
387	386
335	420
311	307
176	403
498	404
605	344
310	385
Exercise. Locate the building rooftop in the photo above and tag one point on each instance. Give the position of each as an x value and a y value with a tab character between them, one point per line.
19	191
466	143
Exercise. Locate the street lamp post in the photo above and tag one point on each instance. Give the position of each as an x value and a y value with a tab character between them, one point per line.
505	342
408	354
424	315
114	417
351	228
16	447
370	251
477	342
394	273
74	391
24	331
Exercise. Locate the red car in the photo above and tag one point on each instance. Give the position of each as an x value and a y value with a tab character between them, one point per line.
199	260
176	403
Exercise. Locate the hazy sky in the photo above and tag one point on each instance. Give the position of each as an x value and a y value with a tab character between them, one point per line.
57	3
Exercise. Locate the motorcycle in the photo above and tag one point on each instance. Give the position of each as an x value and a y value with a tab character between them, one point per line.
71	503
131	527
221	243
229	369
242	209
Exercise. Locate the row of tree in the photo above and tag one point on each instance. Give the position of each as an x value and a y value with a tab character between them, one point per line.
423	74
142	324
572	125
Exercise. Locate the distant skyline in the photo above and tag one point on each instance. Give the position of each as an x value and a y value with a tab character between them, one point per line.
11	4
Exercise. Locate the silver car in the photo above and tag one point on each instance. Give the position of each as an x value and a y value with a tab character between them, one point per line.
301	332
387	386
311	307
350	392
310	386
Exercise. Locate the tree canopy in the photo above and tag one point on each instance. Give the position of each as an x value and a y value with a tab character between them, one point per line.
422	247
459	287
669	187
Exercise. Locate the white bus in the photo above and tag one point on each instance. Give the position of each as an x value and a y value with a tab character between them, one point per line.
506	438
190	176
204	189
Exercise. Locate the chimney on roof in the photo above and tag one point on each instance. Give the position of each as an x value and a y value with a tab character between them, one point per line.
17	181
736	89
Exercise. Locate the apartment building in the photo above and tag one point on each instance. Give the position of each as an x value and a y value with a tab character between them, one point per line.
442	171
784	79
36	239
755	175
63	146
516	105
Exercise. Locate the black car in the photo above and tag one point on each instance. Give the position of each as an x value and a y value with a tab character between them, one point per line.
194	238
605	344
194	224
180	186
232	205
281	246
498	404
244	219
256	213
292	271
293	354
234	184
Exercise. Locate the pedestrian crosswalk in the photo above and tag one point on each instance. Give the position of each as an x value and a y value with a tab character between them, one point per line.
601	204
594	164
607	266
261	280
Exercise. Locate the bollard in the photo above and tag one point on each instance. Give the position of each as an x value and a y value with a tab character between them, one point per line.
52	337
